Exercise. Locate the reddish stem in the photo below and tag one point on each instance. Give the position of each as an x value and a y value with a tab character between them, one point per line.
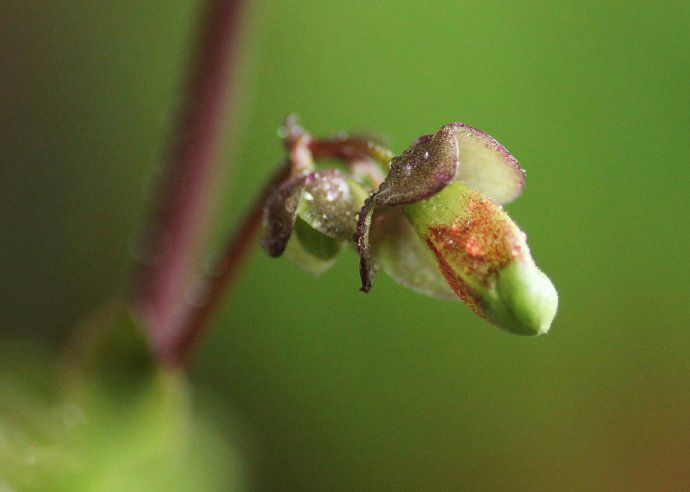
239	246
173	325
241	242
348	149
178	222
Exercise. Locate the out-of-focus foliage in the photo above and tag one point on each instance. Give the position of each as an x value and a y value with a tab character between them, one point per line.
109	421
340	390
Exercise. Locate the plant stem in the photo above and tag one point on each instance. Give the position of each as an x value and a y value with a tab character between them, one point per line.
177	225
242	240
238	247
348	149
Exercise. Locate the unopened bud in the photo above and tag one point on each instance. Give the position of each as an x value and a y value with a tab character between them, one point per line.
484	257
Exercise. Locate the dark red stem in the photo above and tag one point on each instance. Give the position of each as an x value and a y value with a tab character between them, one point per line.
347	149
179	220
242	241
240	244
174	326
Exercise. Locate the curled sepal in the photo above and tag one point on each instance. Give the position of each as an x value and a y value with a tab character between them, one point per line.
330	203
326	200
428	165
280	213
367	269
486	165
485	259
400	252
310	249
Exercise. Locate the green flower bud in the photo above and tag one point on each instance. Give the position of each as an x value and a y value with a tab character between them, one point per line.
484	257
310	216
435	223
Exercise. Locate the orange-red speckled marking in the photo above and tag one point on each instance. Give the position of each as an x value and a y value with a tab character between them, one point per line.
475	246
462	290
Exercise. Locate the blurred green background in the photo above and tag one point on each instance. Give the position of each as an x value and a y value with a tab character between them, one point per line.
315	385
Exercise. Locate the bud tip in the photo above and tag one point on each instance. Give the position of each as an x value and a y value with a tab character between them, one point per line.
527	300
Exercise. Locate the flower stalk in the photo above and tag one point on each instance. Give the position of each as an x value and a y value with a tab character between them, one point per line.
177	225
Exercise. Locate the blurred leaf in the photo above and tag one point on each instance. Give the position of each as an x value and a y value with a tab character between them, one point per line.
117	423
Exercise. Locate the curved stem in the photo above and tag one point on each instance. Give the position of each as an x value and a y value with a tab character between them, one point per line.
236	252
349	149
179	350
177	226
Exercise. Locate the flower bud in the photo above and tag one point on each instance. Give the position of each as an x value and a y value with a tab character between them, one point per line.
310	216
435	223
484	257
